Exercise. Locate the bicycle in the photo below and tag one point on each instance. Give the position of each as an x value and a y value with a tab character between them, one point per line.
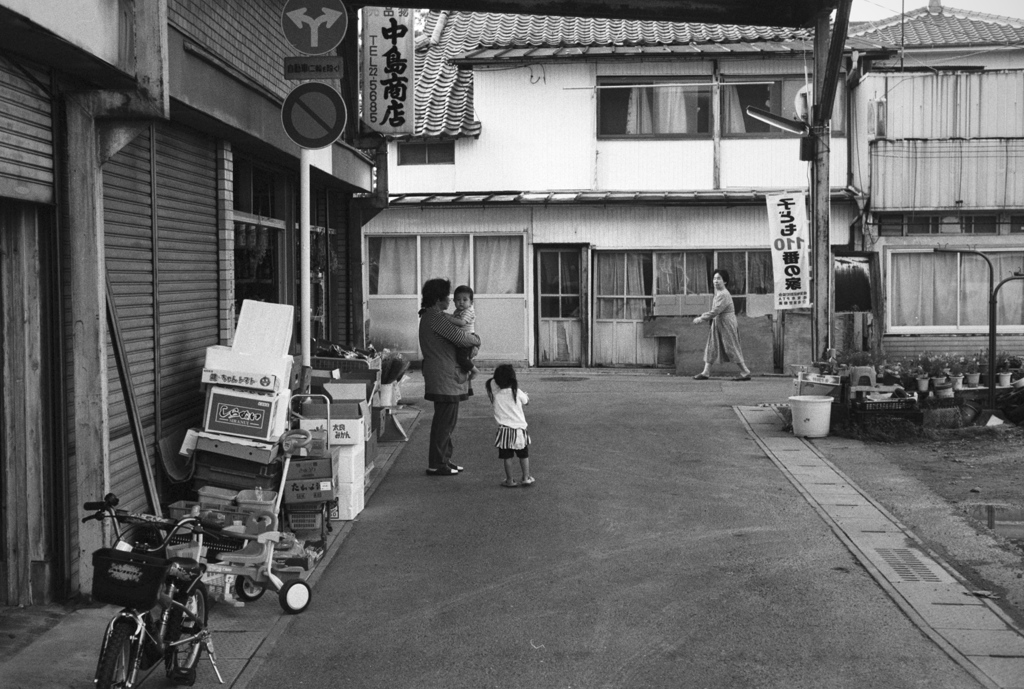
164	598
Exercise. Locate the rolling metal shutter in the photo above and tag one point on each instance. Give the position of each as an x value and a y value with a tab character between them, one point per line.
129	230
26	134
188	271
160	191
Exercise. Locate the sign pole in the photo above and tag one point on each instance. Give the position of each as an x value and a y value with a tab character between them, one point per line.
304	245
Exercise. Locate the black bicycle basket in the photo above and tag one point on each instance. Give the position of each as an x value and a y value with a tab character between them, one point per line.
132	580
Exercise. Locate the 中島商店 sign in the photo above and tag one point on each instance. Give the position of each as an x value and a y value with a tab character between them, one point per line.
389	69
787	225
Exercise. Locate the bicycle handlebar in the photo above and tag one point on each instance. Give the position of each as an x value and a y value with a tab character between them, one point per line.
106	510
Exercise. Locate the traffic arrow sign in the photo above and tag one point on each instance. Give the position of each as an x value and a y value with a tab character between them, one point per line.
313	115
314	27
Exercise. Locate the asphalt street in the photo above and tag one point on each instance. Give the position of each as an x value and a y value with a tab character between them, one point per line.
658	548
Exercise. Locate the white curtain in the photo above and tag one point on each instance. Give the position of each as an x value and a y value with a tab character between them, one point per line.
662	110
611	281
393	263
733	111
698	273
446	257
923	293
974	295
498	262
671	273
638	272
671	106
638	113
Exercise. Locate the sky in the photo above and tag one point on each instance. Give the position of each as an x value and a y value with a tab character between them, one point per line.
880	9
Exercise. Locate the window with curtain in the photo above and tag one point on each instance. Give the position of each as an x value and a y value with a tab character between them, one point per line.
445	257
624	284
777	96
391	265
923	295
498	262
652	110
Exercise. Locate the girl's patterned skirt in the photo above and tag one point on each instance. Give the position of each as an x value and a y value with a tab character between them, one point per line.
511	438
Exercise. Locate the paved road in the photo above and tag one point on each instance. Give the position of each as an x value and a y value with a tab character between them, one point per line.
659	548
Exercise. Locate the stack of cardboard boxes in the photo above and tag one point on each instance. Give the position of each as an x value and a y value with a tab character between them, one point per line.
338	412
249	387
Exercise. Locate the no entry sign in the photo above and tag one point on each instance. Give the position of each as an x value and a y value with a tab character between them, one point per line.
313	115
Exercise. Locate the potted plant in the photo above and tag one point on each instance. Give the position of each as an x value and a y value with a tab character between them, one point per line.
1017	378
956	372
1003	369
972	372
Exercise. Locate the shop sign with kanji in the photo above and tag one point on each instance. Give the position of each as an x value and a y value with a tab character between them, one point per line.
787	225
389	68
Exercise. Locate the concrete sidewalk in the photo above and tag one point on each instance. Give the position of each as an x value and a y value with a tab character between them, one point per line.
969	631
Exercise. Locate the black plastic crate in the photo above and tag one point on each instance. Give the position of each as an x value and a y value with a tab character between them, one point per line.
132	580
211	476
227	463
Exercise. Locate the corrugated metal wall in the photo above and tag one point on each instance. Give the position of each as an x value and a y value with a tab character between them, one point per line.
957	105
929	175
26	138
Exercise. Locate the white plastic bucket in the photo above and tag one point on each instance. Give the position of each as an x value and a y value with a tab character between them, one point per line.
811	415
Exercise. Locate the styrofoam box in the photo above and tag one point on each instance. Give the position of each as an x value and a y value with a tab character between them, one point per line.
264	329
349	502
350	463
225	366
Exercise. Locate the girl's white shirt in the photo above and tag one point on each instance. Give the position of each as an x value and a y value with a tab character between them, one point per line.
508	411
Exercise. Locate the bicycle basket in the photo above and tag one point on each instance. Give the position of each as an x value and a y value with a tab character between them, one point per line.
132	580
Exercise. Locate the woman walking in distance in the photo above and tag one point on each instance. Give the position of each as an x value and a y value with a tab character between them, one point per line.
445	383
723	340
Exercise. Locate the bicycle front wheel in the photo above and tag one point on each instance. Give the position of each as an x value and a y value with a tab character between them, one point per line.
182	659
116	669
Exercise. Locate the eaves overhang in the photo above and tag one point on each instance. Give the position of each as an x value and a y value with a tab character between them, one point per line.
739	197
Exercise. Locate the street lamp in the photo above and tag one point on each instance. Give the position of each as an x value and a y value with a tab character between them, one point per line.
791	126
993	292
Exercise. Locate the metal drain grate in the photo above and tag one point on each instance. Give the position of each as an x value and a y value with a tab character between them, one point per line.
907	564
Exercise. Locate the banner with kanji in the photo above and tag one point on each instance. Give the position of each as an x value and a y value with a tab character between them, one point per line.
791	249
388	69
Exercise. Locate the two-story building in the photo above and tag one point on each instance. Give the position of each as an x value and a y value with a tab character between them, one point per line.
939	151
585	176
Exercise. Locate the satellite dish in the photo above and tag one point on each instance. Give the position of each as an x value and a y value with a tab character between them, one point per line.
802	102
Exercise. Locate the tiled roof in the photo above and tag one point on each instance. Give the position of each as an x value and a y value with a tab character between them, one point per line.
943	27
444	93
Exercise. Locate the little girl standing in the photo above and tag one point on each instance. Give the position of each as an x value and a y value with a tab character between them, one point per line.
512	438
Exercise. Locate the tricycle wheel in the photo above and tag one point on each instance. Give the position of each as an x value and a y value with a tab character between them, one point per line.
248	589
295	596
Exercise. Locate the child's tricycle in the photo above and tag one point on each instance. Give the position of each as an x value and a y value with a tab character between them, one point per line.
254	566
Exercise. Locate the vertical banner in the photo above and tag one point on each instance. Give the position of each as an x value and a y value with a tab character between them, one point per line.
389	66
787	225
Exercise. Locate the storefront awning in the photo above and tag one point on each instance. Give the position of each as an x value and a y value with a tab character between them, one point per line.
601	198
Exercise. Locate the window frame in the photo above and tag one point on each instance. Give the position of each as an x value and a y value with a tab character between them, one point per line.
779	108
612	83
958	329
428	146
966	224
470	236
